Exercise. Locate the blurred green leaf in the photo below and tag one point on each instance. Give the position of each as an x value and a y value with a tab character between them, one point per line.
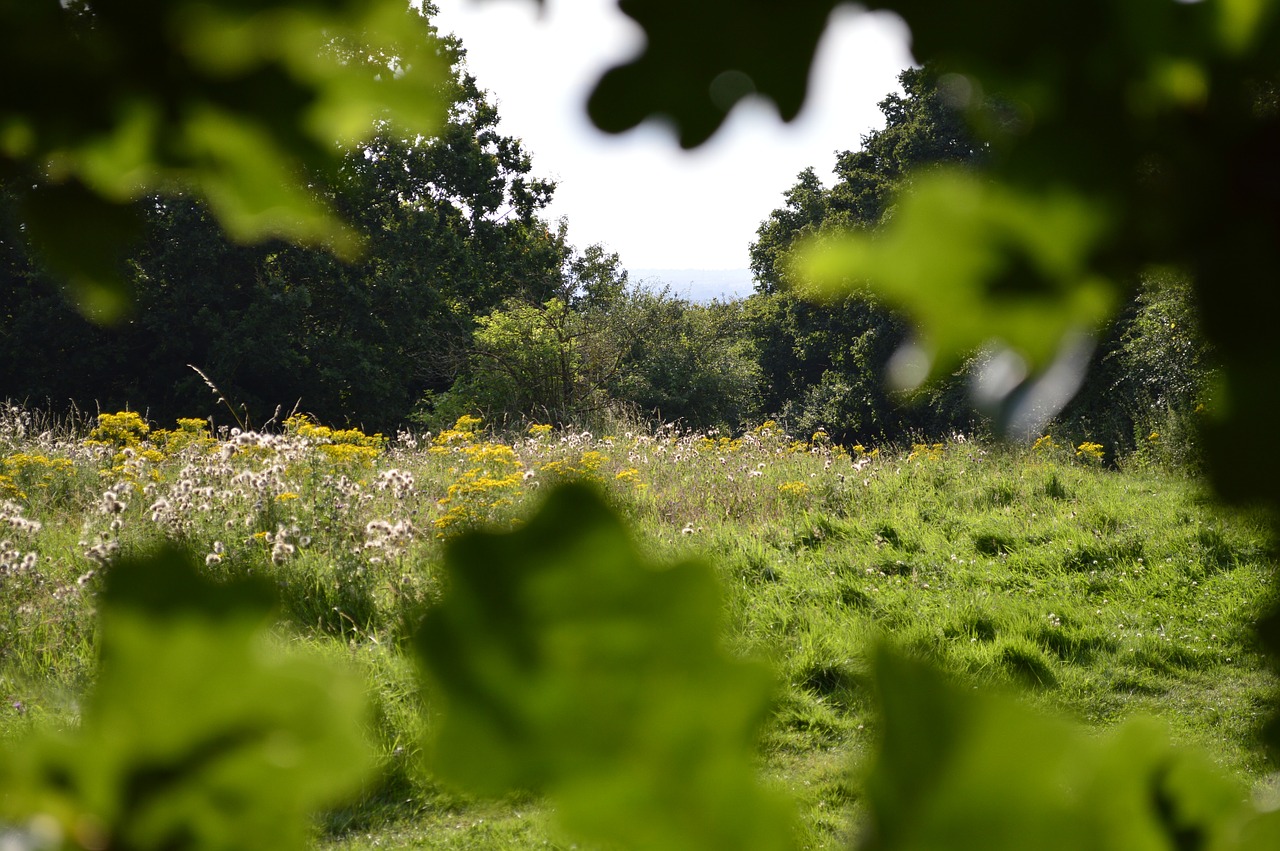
973	261
701	58
246	103
83	238
200	732
566	664
1262	833
959	769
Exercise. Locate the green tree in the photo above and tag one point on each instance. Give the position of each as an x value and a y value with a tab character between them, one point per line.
826	362
924	127
612	351
524	364
449	226
694	364
1150	380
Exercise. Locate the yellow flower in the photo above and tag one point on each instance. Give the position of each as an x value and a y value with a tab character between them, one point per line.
303	426
497	453
1090	451
931	452
124	428
346	453
591	461
9	489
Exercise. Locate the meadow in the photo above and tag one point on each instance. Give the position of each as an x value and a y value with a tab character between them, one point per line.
1094	587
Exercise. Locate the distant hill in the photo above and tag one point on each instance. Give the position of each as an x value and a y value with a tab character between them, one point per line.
697	285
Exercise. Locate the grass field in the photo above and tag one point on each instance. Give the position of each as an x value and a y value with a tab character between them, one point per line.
1096	590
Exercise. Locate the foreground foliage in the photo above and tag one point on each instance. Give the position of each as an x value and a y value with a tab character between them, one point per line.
1099	594
1157	148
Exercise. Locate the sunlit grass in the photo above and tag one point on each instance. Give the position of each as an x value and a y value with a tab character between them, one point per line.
1095	592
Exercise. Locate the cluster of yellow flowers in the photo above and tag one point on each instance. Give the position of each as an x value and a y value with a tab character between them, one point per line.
473	496
491	478
1044	443
119	430
1090	451
793	489
130	435
348	448
21	471
587	467
719	444
631	474
926	451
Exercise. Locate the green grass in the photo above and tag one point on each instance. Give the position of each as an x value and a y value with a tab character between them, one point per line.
1094	593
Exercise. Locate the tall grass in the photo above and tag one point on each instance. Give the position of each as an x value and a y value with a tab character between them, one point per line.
1095	592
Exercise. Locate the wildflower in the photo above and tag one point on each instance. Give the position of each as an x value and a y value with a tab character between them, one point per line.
111	504
1090	451
103	550
122	430
11	515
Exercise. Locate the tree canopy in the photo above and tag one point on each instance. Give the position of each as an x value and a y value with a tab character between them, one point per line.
1119	138
449	226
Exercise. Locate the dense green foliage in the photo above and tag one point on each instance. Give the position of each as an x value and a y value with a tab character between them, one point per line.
450	229
1151	149
466	302
636	353
239	104
826	364
830	362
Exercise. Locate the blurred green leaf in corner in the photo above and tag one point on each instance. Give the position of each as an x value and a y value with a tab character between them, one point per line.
200	731
566	664
973	260
962	769
243	104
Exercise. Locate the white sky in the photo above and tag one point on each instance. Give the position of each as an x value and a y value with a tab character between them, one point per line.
660	207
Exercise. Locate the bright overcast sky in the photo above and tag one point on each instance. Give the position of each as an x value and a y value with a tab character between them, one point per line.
660	207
